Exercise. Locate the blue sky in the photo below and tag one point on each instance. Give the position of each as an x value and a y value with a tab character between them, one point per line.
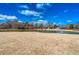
54	13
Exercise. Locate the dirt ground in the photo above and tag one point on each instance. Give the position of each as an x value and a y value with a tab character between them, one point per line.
36	43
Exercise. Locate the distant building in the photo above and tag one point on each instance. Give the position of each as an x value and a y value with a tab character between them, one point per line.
29	26
72	26
76	26
50	27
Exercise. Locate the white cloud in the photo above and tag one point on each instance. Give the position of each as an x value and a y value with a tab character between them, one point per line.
65	11
54	23
42	5
55	16
59	23
11	17
30	13
1	18
4	17
39	22
40	16
20	21
44	22
48	4
69	20
24	6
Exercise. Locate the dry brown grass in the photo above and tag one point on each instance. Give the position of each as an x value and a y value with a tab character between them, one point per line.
34	43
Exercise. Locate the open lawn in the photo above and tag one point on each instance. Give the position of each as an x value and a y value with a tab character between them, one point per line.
35	43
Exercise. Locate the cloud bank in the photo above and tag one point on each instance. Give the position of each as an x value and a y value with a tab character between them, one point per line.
6	17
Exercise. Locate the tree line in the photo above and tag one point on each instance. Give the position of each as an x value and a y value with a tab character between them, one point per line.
14	24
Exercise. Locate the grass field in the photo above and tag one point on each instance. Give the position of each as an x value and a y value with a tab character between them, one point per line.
35	43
